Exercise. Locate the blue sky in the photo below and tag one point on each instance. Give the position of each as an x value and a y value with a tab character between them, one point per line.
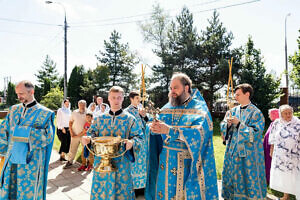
25	43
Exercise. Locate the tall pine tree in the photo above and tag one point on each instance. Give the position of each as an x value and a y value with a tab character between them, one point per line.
47	78
11	94
76	80
266	87
119	61
213	56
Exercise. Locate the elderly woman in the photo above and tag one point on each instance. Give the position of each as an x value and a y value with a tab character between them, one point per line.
92	108
285	152
273	115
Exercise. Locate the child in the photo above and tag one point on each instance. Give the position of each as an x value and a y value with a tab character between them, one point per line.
87	158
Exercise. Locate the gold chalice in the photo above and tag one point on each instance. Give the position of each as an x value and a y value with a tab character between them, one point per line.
106	147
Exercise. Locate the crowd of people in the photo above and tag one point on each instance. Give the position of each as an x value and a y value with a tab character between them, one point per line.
169	155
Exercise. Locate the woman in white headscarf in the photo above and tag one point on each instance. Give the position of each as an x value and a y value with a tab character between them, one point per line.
63	133
285	152
92	108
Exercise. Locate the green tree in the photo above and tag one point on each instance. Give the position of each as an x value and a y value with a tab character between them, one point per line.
76	80
213	55
155	31
95	83
119	61
266	87
295	60
47	77
182	43
101	79
53	99
11	94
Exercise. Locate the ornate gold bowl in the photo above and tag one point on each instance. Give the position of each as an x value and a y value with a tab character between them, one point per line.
106	147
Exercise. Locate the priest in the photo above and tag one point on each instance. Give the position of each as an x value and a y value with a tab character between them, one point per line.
26	138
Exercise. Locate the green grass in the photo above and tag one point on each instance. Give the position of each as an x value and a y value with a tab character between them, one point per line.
219	148
56	146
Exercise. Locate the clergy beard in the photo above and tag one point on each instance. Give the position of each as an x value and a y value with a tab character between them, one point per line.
177	101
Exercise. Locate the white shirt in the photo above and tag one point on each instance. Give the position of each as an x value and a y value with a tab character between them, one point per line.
62	119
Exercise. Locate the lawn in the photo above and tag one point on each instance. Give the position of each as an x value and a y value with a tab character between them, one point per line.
219	148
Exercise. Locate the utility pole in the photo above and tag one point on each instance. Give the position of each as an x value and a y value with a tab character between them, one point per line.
65	71
285	48
65	46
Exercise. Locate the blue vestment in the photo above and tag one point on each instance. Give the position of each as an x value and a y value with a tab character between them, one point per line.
118	184
28	180
186	166
138	167
243	175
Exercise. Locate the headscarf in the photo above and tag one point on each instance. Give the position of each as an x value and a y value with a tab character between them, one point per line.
64	108
274	113
90	106
294	119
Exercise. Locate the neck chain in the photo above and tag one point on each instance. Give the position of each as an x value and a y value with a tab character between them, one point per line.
176	117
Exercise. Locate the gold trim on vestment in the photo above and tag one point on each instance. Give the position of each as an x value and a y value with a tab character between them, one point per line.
195	126
20	139
199	167
176	149
248	198
189	112
181	156
183	111
167	176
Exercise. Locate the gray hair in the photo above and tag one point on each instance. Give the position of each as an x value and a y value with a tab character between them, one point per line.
82	102
285	107
27	84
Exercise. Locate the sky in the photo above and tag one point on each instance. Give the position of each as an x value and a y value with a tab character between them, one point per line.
32	29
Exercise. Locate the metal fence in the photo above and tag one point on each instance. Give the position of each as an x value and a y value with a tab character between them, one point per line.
294	98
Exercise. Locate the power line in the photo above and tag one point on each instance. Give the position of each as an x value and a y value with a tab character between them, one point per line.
140	20
229	6
22	33
28	22
139	15
129	17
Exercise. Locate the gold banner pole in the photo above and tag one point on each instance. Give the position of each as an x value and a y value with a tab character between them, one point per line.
229	97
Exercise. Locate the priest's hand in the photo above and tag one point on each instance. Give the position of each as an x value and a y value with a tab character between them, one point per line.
85	140
235	120
129	144
142	112
232	120
159	127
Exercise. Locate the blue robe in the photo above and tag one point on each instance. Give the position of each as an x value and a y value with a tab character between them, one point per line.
243	175
116	185
186	166
26	181
138	167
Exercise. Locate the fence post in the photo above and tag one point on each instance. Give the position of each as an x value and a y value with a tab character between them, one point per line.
284	99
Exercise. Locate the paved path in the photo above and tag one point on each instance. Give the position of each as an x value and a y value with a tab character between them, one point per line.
69	184
64	184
